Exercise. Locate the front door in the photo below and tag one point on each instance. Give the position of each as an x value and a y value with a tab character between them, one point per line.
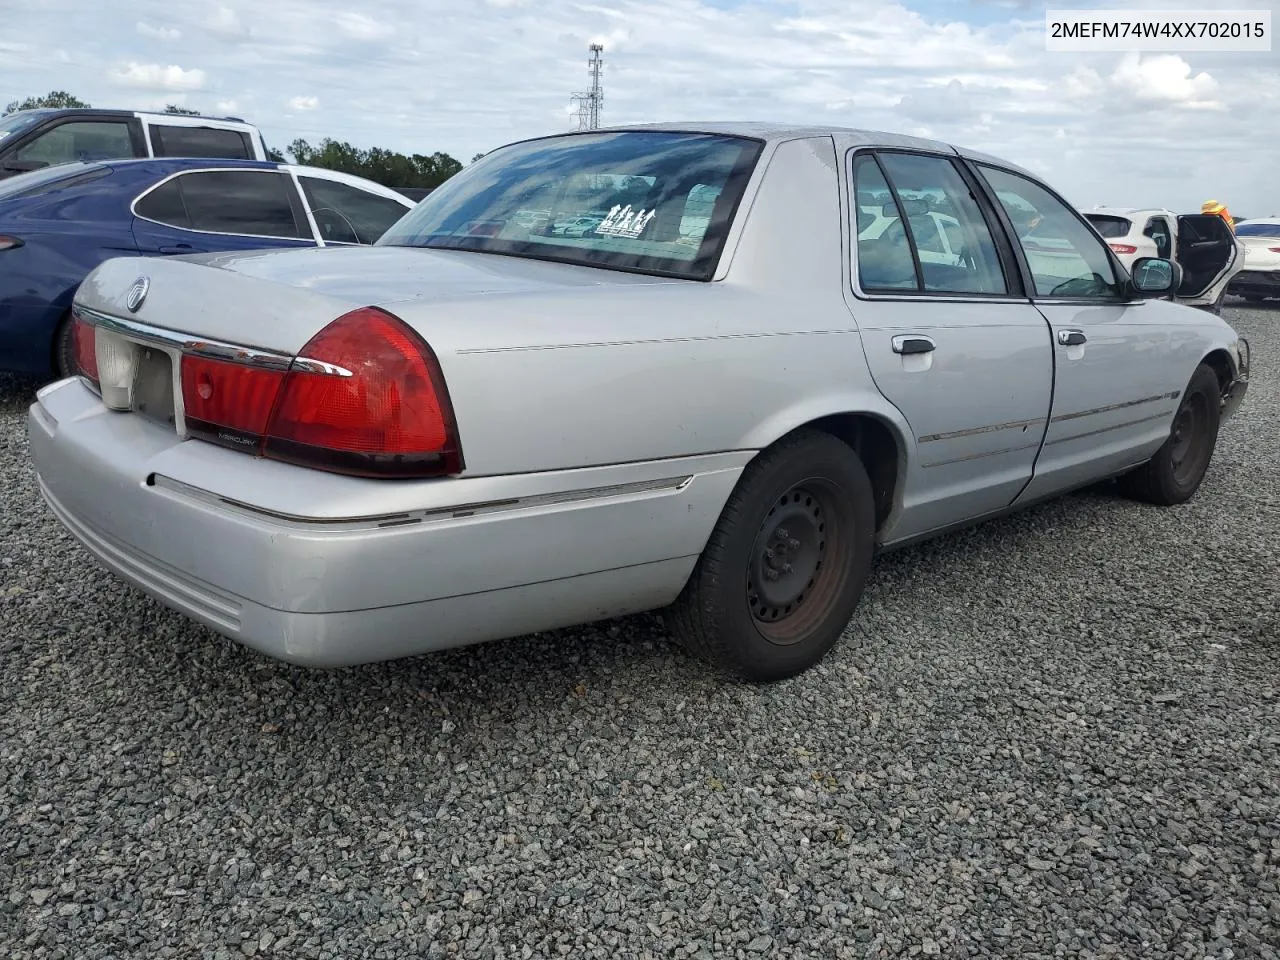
1112	402
951	341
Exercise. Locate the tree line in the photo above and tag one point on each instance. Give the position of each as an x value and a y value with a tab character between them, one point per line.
383	166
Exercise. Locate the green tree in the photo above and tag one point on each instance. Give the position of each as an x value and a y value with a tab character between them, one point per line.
57	99
174	108
377	164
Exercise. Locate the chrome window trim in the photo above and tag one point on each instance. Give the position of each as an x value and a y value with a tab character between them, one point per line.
133	206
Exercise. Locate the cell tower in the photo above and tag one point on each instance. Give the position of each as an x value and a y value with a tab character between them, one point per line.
589	103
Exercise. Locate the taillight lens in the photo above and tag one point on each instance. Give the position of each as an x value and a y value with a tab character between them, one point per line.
1274	249
228	402
84	346
1123	247
9	243
365	396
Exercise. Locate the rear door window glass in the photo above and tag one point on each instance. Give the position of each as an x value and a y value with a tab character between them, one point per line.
200	142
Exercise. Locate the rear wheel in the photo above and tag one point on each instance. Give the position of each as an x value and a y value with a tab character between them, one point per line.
1174	474
786	563
64	349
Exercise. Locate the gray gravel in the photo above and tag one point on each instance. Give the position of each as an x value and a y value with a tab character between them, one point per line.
1052	736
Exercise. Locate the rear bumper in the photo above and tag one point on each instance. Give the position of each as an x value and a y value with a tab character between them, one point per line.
1261	283
339	581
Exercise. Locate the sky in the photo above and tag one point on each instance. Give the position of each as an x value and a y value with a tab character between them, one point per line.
465	76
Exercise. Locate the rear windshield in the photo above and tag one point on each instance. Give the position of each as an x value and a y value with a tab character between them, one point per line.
648	202
1110	227
49	178
1258	230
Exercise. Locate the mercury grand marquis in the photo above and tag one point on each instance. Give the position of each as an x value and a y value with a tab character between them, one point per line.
720	400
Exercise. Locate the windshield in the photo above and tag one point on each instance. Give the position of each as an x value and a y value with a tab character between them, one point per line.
649	202
1258	230
17	122
1109	227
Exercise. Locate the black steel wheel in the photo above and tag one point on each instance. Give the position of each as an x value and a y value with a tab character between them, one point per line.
786	563
1176	471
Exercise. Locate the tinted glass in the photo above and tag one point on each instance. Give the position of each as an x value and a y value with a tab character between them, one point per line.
1066	258
252	202
347	214
15	123
200	142
1258	230
164	204
884	257
84	140
652	202
1109	227
933	193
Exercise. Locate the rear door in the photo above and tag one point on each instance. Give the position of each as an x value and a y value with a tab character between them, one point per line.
208	210
1207	252
955	346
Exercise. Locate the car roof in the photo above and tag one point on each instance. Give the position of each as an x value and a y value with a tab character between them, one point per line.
776	132
149	114
1130	213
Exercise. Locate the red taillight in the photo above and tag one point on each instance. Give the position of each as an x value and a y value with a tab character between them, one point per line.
365	396
1123	247
228	402
9	243
84	347
1274	249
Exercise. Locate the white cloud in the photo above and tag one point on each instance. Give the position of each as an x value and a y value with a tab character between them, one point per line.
153	76
226	106
361	27
167	34
462	76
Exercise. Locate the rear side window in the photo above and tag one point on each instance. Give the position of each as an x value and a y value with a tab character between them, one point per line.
347	214
200	142
1110	227
252	203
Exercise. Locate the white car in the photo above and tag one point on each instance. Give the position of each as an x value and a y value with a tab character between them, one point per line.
937	235
1260	277
1202	244
576	227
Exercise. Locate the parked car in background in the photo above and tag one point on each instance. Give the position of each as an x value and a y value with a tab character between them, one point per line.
1260	278
59	223
933	232
34	139
457	435
1202	244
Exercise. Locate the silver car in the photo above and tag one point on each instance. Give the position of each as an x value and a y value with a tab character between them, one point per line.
478	428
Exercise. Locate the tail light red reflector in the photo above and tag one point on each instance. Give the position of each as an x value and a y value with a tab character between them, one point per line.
1123	248
228	402
84	347
1273	249
9	243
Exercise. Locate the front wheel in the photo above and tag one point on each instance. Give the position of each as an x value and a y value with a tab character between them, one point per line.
786	564
1174	474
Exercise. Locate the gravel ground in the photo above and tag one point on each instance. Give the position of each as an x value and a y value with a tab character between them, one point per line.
1055	735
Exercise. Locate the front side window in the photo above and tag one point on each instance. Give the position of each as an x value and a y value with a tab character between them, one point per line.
649	202
347	214
946	234
200	142
246	202
1065	257
83	140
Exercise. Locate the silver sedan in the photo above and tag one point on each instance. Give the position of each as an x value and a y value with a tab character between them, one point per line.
721	399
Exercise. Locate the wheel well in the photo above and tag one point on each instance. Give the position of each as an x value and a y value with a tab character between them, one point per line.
1220	361
63	320
876	446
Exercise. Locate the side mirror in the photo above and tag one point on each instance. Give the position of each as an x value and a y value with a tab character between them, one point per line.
1155	277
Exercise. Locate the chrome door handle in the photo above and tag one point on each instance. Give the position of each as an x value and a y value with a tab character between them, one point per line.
913	343
1071	338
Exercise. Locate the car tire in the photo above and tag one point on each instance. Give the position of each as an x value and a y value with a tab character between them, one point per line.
1174	474
64	349
785	565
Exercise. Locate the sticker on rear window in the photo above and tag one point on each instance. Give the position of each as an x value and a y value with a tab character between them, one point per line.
624	222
